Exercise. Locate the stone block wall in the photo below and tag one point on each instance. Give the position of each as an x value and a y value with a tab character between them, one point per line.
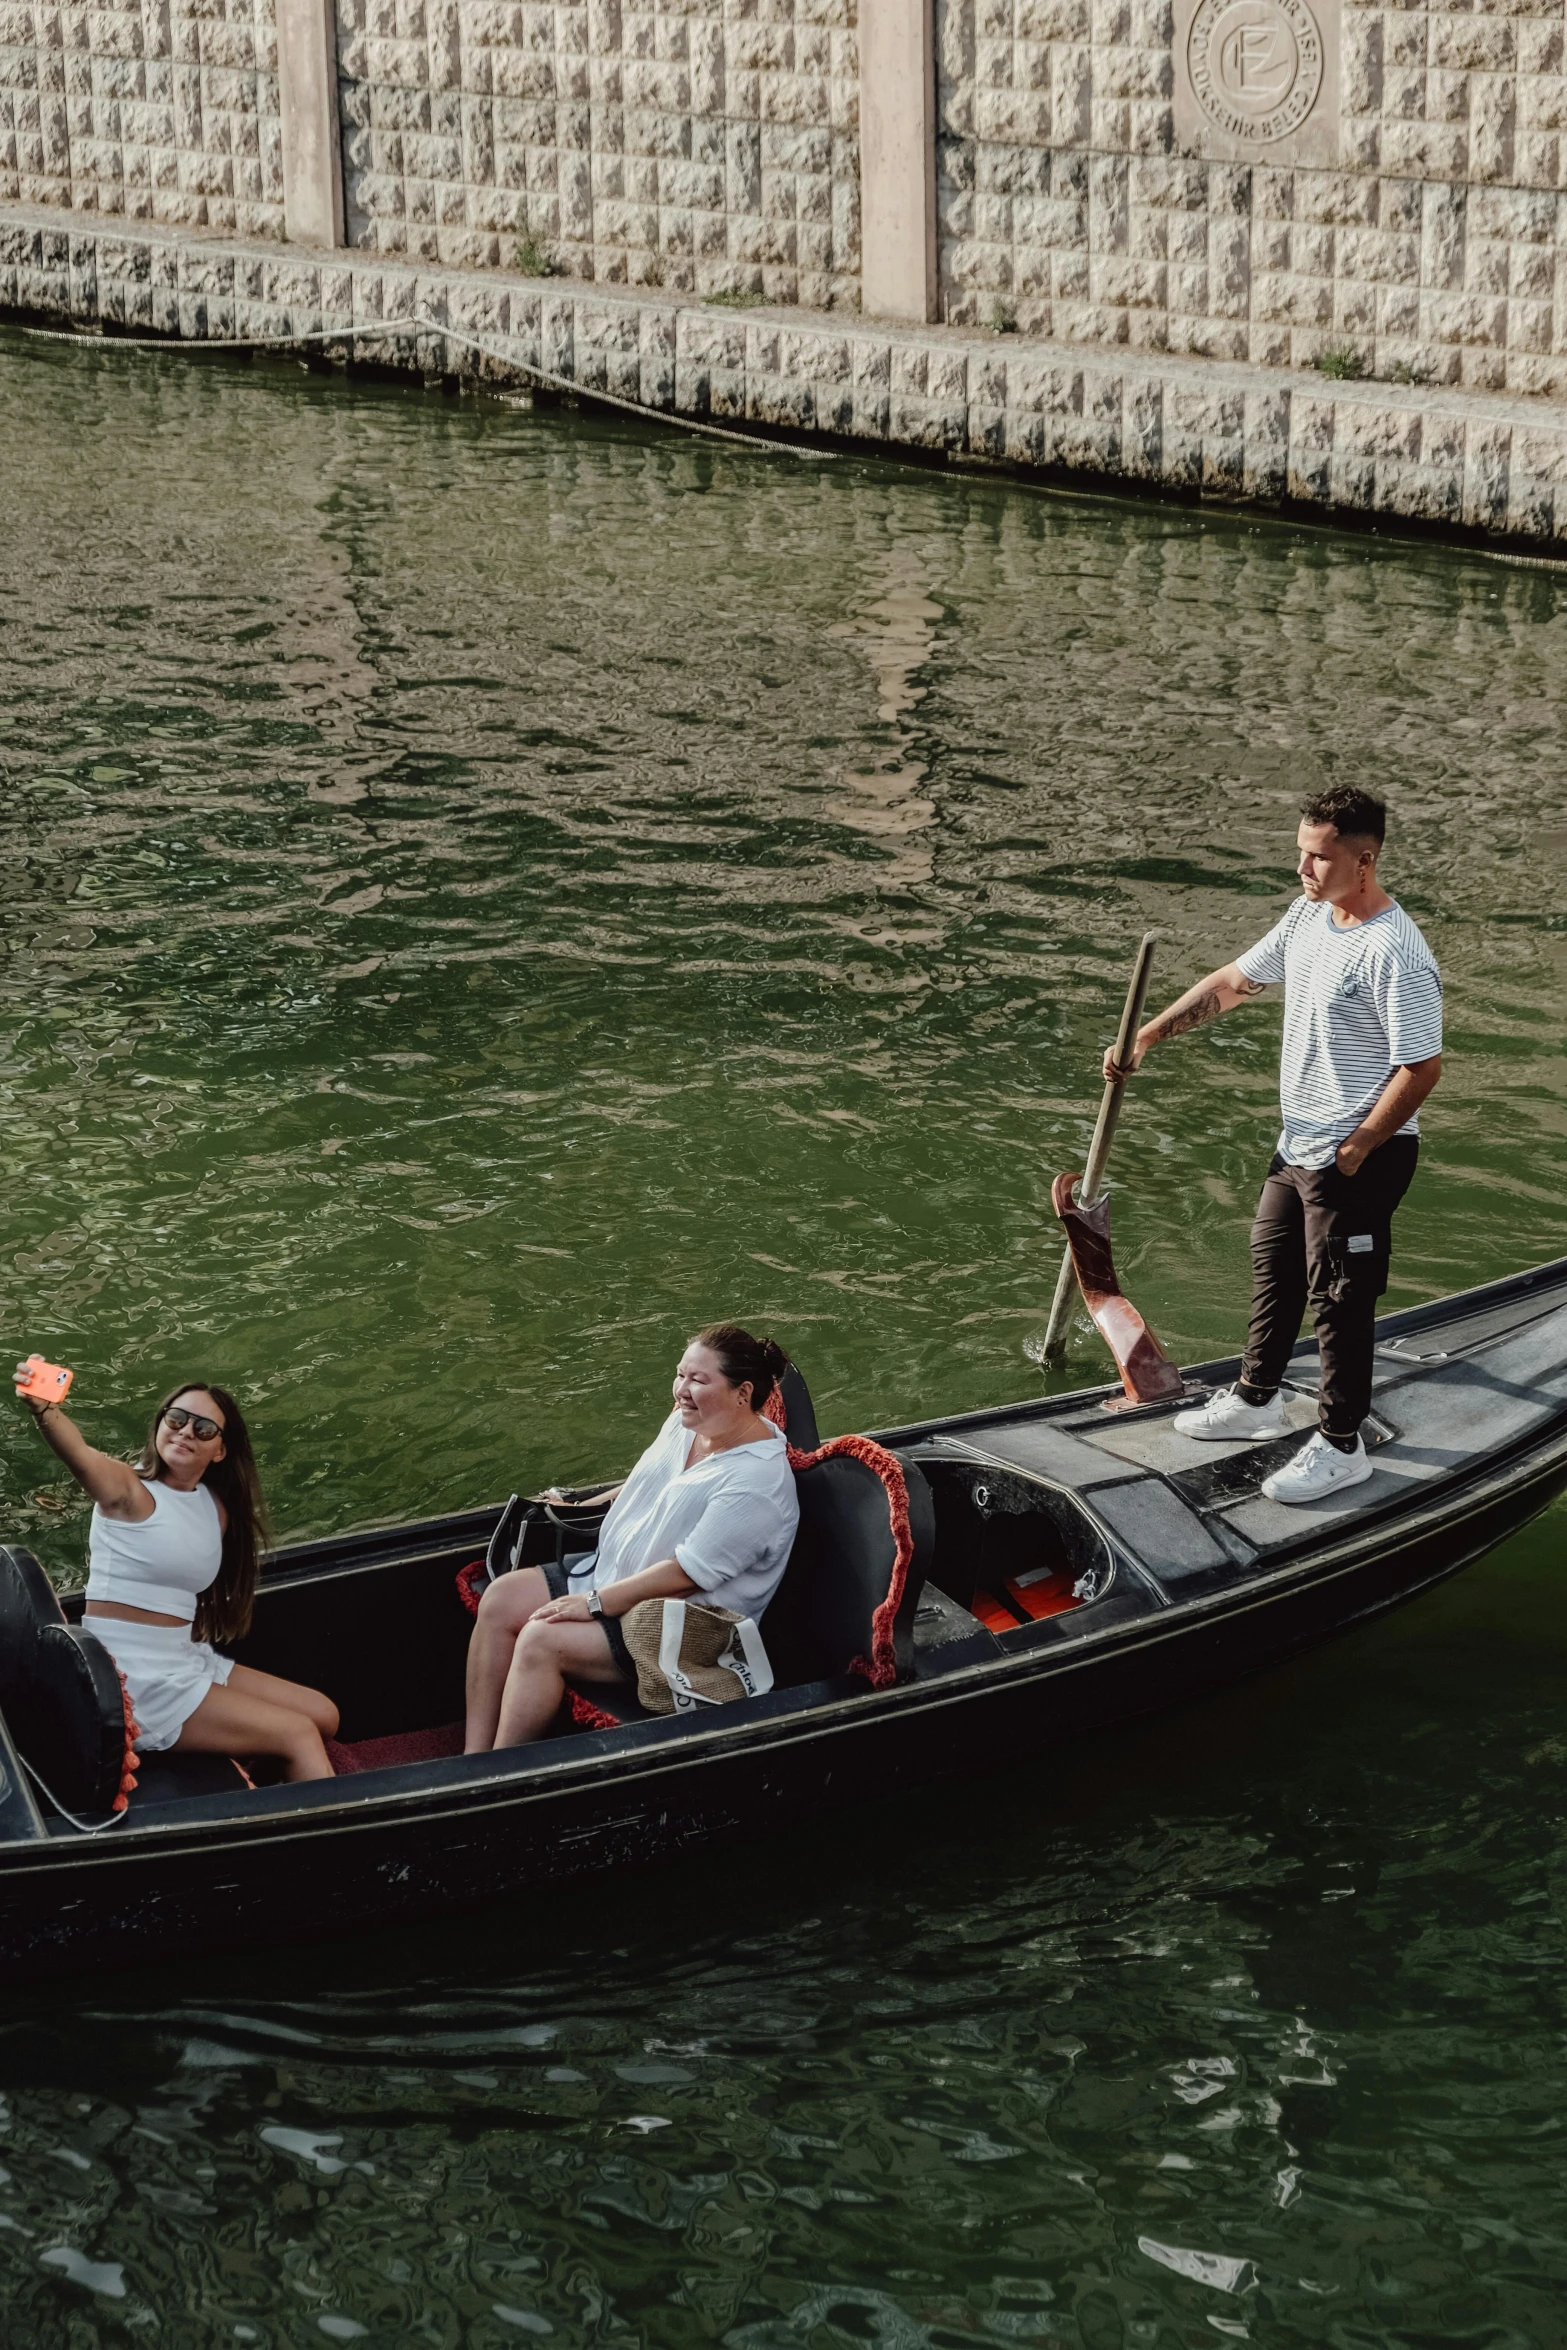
163	111
1475	460
713	147
1436	249
710	146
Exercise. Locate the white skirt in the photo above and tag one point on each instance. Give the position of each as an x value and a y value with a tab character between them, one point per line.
166	1672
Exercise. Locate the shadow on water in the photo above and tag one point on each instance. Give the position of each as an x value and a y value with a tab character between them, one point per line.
484	893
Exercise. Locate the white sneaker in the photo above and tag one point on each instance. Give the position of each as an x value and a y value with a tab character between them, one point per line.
1318	1469
1227	1418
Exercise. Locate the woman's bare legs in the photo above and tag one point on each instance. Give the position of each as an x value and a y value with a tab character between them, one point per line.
503	1610
245	1681
541	1658
233	1720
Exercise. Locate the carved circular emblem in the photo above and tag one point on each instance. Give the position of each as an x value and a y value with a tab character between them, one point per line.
1255	65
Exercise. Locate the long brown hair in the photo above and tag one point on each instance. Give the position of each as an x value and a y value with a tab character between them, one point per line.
223	1609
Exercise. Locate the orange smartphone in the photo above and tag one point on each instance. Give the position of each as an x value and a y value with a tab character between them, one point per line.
46	1382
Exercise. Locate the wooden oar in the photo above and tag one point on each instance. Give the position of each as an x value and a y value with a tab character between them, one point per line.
1099	1150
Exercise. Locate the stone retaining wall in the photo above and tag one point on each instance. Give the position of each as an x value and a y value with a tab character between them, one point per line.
679	145
1412	222
1223	430
167	111
1073	202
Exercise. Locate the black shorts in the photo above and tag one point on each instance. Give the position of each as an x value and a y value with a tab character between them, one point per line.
619	1654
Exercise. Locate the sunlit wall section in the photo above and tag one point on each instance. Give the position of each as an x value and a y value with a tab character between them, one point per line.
705	148
1282	181
167	111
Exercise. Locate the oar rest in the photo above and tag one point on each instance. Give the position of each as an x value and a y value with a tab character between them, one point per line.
61	1694
849	1593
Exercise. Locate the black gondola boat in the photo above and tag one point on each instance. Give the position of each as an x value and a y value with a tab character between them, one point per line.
1068	1565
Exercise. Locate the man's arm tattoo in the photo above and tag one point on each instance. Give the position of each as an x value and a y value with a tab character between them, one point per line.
1203	1003
1189	1014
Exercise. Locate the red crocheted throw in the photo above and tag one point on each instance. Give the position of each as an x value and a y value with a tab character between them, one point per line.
586	1714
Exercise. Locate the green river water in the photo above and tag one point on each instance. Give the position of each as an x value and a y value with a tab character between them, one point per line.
486	891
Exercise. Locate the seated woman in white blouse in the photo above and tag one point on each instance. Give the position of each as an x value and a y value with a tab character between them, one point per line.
709	1508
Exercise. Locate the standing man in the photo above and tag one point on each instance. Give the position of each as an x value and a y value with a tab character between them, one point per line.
1362	1049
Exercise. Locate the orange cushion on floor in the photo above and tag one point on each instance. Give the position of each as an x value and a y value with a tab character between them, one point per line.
1025	1599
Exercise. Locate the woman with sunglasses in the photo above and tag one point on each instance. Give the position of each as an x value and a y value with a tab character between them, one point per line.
173	1554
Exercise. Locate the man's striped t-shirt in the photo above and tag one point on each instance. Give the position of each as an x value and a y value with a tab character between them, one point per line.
1360	1000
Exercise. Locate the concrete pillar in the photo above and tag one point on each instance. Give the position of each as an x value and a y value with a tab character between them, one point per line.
307	103
898	159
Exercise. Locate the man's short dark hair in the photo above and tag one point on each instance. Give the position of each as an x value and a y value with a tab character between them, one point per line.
1354	814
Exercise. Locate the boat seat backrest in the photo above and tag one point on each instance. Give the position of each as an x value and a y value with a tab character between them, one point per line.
799	1413
821	1621
60	1691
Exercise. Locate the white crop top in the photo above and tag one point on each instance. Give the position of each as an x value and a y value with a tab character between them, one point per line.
162	1563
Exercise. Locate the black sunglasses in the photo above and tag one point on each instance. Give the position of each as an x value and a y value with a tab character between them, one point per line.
200	1426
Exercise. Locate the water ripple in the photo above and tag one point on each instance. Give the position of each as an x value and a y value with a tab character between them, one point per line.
485	893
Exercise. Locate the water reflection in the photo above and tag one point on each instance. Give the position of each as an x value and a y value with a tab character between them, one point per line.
897	634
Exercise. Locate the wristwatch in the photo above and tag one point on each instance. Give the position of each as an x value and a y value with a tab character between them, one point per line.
595	1604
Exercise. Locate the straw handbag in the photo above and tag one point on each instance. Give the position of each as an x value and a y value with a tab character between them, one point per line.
688	1655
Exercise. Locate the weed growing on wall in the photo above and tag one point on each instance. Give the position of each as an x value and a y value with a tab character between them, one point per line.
1343	363
536	260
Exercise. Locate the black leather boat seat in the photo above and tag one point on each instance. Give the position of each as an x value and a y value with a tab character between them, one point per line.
799	1420
59	1692
65	1707
822	1621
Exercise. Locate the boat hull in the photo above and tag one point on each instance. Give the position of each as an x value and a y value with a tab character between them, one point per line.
355	1853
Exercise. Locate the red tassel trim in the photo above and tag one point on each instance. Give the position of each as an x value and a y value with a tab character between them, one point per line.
880	1668
132	1762
586	1714
468	1582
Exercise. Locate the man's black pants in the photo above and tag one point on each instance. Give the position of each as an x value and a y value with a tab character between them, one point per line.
1324	1239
